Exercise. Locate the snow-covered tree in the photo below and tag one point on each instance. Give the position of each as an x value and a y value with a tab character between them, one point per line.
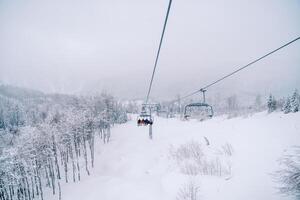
287	106
295	101
258	101
272	104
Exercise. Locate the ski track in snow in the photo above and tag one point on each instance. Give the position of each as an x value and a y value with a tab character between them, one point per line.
135	168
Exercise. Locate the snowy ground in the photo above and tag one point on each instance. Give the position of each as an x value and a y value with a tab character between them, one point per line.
135	168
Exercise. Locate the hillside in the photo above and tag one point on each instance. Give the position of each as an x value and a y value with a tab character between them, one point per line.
246	149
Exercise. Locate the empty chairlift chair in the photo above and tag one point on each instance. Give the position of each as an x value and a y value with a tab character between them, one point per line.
204	110
199	110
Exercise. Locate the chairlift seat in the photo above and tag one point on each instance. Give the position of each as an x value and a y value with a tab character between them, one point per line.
209	111
144	120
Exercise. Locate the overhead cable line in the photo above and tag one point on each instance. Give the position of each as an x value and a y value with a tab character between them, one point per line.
237	70
158	52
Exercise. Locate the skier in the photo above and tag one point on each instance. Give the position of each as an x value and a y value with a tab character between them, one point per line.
147	121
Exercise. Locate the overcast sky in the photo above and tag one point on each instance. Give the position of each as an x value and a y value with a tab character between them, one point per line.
85	47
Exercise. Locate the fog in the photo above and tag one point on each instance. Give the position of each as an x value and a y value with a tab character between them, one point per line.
85	47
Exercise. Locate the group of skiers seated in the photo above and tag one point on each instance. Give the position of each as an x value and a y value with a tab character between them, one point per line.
144	122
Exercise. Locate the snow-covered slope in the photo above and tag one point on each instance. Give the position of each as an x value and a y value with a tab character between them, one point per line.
135	168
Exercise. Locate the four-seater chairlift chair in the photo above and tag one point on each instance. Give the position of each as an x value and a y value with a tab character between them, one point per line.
145	118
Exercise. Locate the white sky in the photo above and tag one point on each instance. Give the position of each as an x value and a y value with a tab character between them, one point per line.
89	46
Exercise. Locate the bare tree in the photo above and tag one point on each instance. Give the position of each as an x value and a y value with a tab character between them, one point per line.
289	175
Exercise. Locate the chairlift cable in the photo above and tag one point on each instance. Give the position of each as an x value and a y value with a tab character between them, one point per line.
158	51
141	121
238	70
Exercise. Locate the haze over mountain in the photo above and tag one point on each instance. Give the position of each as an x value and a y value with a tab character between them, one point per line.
75	47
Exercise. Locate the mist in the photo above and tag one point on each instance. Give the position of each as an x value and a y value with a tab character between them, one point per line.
85	47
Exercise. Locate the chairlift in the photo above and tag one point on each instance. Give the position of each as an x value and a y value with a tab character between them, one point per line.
145	118
204	110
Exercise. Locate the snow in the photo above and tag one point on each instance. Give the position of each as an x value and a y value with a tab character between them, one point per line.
134	167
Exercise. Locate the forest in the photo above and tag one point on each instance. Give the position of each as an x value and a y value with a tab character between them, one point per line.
47	139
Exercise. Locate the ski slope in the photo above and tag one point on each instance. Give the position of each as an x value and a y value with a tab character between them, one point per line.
135	168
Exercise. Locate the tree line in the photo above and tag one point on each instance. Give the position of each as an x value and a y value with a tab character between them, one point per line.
287	105
234	105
